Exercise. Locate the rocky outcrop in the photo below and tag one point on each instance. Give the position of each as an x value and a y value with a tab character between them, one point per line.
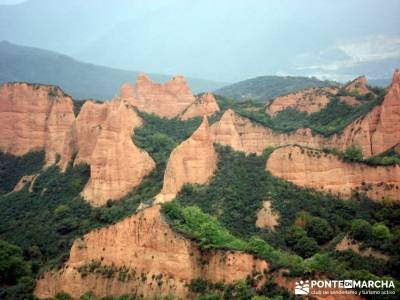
35	117
374	133
116	164
358	86
308	101
25	180
244	135
144	257
326	172
348	244
387	126
266	217
205	105
89	124
193	161
166	100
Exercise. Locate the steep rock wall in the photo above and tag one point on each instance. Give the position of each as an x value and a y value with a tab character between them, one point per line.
158	260
116	164
35	117
326	172
166	100
193	161
205	105
374	133
244	135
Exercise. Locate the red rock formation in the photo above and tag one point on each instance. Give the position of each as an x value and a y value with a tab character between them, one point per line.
35	117
266	217
25	180
326	172
374	133
205	105
387	129
158	261
348	244
89	124
358	85
193	161
244	135
116	164
309	101
166	100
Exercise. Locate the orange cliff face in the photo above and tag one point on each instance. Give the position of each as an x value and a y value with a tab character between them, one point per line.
155	259
387	128
205	105
358	85
35	117
166	100
326	172
244	135
376	132
309	101
104	140
193	161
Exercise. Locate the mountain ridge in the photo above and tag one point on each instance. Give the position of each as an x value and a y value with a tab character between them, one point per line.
79	79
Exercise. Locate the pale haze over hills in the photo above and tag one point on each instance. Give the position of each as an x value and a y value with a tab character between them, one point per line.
216	40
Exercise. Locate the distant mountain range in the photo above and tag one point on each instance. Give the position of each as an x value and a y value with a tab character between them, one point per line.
78	79
264	88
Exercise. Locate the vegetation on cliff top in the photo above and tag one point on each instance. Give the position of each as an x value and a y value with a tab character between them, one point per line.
220	215
330	120
264	88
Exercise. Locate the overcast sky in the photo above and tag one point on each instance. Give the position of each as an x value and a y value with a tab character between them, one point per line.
225	40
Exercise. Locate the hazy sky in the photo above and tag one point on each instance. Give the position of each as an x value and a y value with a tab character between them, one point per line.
225	40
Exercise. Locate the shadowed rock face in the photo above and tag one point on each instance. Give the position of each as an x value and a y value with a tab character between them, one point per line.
35	117
116	164
166	100
374	133
146	246
308	101
325	172
206	105
193	161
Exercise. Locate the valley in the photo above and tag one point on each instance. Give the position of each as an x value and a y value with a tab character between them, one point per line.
162	194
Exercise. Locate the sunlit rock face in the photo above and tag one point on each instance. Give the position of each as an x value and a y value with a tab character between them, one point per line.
117	165
166	100
158	261
358	86
308	101
374	133
35	117
193	161
205	105
326	172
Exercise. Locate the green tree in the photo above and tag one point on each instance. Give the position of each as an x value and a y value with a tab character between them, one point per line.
353	153
12	264
319	229
360	229
380	232
306	246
